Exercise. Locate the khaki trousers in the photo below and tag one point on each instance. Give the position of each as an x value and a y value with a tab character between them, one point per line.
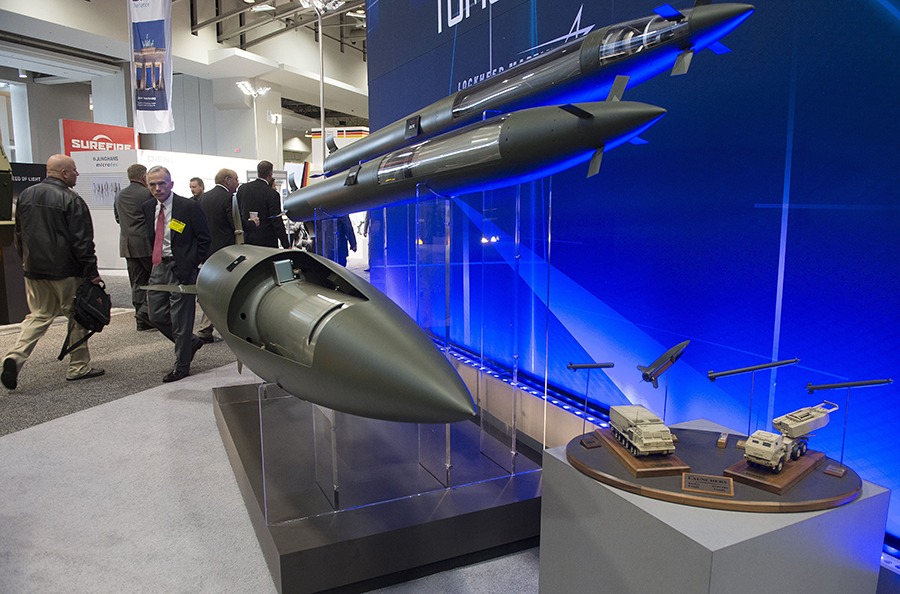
46	300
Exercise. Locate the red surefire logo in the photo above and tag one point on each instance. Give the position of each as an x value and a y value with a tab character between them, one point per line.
100	142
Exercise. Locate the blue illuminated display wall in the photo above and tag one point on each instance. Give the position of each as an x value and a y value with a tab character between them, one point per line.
761	222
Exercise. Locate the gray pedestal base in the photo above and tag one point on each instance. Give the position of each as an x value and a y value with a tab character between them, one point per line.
595	538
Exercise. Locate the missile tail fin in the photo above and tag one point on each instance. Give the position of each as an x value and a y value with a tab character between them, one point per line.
701	2
240	366
682	63
655	383
618	88
330	142
594	167
719	48
670	13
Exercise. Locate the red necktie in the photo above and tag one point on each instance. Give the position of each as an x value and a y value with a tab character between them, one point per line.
158	240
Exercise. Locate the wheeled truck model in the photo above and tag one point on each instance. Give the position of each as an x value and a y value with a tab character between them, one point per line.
640	431
772	450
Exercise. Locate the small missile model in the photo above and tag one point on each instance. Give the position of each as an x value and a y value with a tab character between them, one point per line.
583	70
514	148
327	336
656	369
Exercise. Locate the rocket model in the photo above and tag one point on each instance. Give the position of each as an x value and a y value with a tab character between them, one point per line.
327	336
652	372
510	149
580	71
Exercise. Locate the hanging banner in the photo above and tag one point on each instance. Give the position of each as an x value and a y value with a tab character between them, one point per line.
151	65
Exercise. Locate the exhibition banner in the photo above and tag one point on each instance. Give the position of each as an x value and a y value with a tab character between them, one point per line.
87	136
151	65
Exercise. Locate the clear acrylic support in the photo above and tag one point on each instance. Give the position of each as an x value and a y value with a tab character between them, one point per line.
325	433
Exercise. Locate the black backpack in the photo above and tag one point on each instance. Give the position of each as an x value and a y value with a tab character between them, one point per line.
91	309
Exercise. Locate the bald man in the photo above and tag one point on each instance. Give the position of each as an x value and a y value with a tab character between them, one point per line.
54	236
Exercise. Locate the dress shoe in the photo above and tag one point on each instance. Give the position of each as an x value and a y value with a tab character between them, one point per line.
10	374
206	338
196	347
145	327
175	375
95	372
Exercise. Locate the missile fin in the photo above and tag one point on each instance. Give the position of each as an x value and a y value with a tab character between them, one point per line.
637	141
719	48
577	111
655	383
668	12
682	63
188	289
701	2
330	143
594	167
618	88
240	366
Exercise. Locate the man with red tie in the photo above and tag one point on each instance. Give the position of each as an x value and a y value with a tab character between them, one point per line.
180	236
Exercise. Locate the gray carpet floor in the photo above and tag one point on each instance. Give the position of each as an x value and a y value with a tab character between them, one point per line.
121	483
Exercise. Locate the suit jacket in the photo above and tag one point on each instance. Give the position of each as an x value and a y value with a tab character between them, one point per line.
190	246
133	241
258	196
216	206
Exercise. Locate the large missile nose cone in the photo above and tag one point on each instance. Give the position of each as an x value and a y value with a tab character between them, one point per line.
710	15
388	368
618	117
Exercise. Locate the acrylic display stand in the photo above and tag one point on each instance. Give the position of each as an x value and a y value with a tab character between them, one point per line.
338	500
598	538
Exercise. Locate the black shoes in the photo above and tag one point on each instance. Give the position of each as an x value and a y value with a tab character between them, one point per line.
95	372
145	327
207	339
10	374
175	375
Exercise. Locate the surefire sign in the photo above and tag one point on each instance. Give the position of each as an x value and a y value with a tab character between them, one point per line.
86	136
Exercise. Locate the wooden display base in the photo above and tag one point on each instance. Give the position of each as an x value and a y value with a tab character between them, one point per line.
643	466
763	478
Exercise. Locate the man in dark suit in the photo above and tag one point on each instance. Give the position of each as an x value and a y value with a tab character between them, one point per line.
217	206
180	237
134	245
259	198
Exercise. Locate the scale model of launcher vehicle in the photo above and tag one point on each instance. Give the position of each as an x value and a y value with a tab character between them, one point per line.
772	450
640	431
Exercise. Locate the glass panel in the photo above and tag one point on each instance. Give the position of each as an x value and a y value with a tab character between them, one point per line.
288	469
326	454
434	451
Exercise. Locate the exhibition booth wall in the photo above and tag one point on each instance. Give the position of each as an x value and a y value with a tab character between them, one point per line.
759	223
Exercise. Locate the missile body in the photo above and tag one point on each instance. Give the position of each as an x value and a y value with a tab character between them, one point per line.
327	336
580	71
504	151
652	372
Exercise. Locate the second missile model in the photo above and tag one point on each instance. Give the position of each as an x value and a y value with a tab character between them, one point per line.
656	369
580	71
514	148
327	336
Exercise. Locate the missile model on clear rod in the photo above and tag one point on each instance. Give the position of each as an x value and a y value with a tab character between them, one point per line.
581	71
507	150
327	336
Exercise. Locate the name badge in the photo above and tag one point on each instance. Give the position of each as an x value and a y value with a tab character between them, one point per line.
176	226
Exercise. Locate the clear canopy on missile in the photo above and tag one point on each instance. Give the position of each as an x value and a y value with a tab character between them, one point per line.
327	336
514	148
583	70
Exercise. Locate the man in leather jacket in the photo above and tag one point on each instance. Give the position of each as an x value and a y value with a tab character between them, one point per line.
54	235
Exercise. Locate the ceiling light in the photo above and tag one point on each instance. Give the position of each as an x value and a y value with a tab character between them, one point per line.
248	89
22	73
262	8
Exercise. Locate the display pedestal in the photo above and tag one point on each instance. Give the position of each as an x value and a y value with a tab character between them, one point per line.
596	538
312	548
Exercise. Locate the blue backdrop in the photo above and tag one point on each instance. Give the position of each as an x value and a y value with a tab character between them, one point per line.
761	222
